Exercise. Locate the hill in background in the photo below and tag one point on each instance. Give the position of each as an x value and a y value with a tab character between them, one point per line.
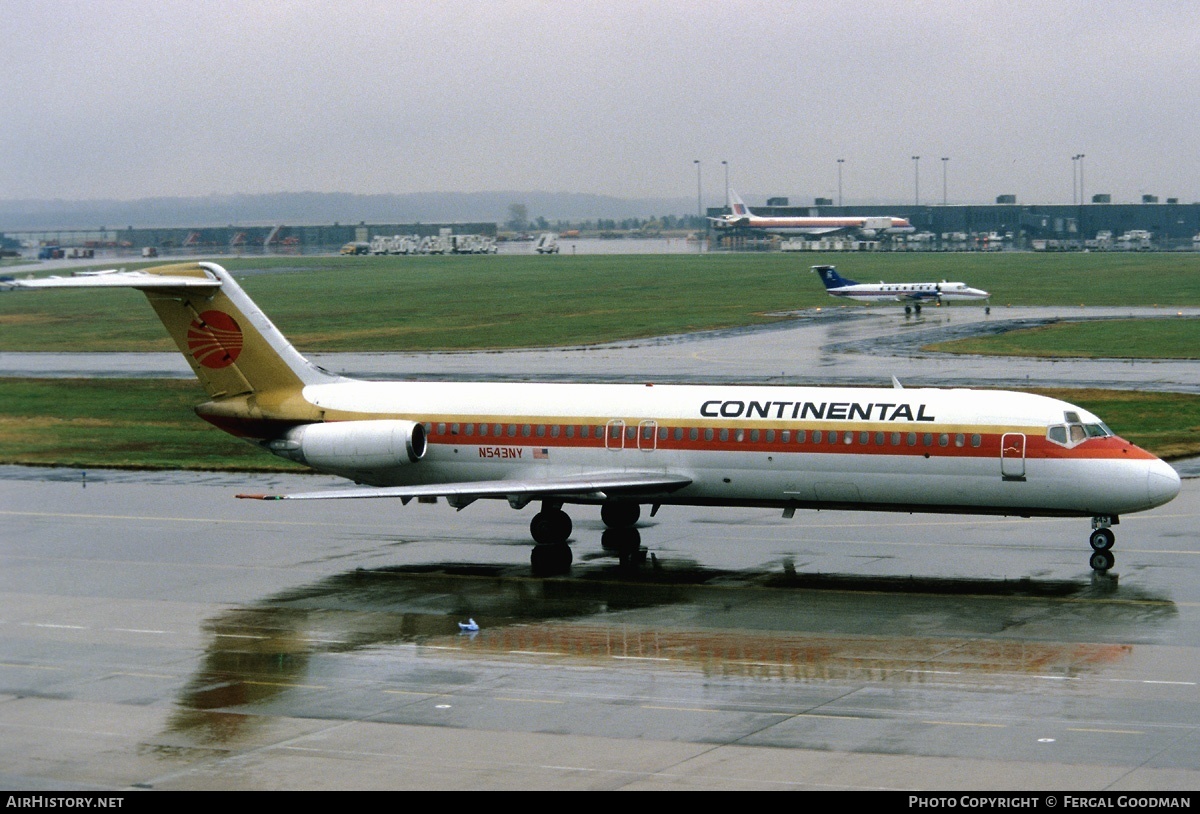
328	207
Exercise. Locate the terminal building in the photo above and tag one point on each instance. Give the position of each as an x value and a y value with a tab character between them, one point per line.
1165	226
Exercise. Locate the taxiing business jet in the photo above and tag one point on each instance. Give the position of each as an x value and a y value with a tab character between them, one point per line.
912	295
620	446
741	218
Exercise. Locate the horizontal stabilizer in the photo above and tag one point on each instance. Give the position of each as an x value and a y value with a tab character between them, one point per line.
598	484
116	279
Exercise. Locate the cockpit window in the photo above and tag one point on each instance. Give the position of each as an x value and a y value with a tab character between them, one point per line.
1068	435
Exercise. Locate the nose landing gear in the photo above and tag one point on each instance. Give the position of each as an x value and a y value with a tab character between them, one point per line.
1102	541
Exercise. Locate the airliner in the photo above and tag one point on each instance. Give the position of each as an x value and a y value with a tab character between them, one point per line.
911	294
620	447
741	218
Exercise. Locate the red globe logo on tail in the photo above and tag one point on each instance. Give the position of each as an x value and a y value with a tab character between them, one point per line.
214	339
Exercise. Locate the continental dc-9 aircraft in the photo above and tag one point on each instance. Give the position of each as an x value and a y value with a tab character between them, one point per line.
621	446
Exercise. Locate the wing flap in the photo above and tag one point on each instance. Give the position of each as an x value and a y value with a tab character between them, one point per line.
597	484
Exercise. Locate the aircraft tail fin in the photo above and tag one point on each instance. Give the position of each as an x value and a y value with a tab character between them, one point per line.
831	278
235	351
737	207
231	345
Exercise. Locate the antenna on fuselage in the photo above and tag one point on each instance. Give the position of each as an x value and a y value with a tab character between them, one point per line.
896	383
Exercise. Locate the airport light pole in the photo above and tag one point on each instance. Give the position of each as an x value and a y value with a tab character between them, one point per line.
725	164
945	161
917	179
1082	199
699	208
840	162
1074	179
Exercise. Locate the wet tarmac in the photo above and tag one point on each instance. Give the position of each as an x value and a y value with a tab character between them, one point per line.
157	633
836	345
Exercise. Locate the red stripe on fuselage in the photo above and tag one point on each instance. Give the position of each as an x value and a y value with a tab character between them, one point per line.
928	440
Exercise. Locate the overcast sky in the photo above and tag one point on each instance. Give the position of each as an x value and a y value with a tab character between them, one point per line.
129	98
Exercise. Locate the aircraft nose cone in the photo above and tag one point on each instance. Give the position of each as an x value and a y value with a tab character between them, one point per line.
1162	483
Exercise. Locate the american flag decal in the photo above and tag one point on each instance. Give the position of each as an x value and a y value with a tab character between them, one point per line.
541	452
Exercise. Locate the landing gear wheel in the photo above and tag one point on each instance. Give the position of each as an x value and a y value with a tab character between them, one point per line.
550	559
1102	561
550	527
908	309
1102	539
620	515
621	540
917	308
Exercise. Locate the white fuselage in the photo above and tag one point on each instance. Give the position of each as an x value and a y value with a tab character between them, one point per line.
892	449
909	292
816	226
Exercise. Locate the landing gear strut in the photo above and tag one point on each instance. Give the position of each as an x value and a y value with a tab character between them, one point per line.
1102	541
550	529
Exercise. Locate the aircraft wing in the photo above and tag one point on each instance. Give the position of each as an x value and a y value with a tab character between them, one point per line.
919	296
516	491
115	279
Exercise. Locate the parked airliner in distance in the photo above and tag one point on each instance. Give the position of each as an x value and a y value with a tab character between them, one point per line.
741	218
624	446
911	294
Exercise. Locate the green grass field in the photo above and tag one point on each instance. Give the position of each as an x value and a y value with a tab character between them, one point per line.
434	303
1171	338
502	301
118	423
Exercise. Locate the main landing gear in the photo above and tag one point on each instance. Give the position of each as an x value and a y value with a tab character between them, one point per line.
551	527
908	309
619	533
1102	541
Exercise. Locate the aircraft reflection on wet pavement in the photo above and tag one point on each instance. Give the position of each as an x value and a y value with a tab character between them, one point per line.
281	656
